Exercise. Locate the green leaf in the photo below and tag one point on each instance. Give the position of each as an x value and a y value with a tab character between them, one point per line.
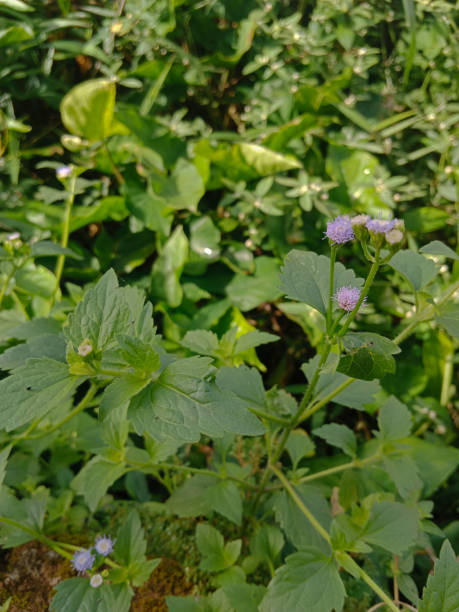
189	499
138	354
51	346
120	391
205	238
184	188
241	597
217	555
448	317
417	269
265	161
392	526
16	5
294	523
267	543
130	545
308	578
436	247
78	595
182	604
357	395
403	471
46	248
33	390
394	420
435	463
253	339
93	480
201	341
87	109
36	280
150	208
225	498
4	454
368	356
168	267
425	219
305	277
100	316
441	593
249	291
340	436
299	445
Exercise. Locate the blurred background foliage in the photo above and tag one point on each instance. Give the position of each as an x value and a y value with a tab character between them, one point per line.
217	135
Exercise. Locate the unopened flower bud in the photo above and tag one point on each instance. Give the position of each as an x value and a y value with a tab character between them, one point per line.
394	237
96	581
64	172
85	348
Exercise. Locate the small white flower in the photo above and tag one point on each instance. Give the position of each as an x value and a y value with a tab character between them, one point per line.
96	581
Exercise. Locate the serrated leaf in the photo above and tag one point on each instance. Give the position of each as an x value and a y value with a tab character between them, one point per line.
436	247
138	354
130	545
189	499
217	555
441	593
299	445
340	436
448	317
308	578
392	526
357	395
368	356
225	498
120	391
403	471
417	269
33	390
51	346
93	480
249	291
305	278
394	420
78	595
201	341
267	543
100	316
295	525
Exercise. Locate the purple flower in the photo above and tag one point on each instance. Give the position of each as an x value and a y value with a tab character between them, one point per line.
64	172
380	226
340	230
347	297
83	560
104	545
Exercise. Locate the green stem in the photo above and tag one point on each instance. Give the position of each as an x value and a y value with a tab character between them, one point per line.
331	286
312	408
270	417
18	303
312	385
355	464
326	536
425	314
6	283
38	536
363	294
447	378
299	502
115	169
64	236
79	408
371	583
190	470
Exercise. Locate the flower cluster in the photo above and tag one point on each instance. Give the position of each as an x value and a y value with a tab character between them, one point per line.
83	560
344	229
340	230
348	297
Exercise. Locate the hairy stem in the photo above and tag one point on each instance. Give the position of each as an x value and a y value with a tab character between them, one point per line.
363	294
331	286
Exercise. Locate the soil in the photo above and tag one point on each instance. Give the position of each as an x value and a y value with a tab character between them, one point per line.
29	573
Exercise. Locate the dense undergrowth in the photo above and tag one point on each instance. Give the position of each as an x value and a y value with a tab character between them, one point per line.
208	352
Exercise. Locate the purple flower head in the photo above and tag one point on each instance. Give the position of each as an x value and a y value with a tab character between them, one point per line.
347	298
104	545
380	226
64	172
83	560
340	230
